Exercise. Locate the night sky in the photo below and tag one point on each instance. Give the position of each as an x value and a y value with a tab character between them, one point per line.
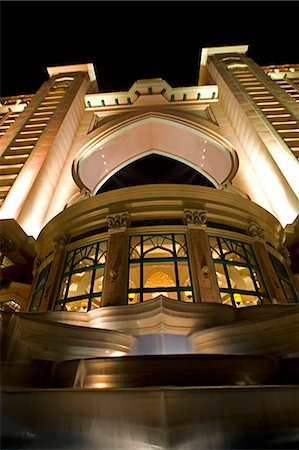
133	40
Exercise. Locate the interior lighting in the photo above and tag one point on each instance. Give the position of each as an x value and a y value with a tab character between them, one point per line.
131	296
188	294
291	69
276	70
237	298
84	303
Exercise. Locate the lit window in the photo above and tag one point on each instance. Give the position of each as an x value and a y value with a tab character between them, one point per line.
284	280
39	289
238	275
158	265
10	305
82	279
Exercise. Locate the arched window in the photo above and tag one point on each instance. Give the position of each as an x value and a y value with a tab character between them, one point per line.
159	264
82	279
238	275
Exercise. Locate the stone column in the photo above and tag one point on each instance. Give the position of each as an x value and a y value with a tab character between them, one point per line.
116	269
202	266
48	298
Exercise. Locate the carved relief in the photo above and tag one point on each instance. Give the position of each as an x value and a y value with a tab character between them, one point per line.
255	231
195	217
285	254
60	241
118	222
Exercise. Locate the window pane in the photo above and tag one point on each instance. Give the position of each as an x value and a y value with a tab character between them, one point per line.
240	278
36	301
133	297
80	283
84	257
98	281
221	277
180	246
95	302
77	305
226	298
134	276
135	247
151	295
159	275
159	246
289	291
242	300
233	251
184	275
186	296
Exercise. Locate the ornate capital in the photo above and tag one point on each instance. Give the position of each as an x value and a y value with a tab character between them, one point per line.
60	241
117	222
255	231
285	254
195	217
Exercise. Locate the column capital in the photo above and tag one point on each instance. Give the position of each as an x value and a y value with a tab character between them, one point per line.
256	231
195	218
118	222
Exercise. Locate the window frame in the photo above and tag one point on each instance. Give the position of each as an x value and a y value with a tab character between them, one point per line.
174	259
70	260
253	267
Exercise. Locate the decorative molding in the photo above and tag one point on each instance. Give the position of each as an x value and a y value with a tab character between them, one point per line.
195	218
60	241
255	231
118	222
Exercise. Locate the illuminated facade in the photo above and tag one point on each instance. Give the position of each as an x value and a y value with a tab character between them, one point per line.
149	254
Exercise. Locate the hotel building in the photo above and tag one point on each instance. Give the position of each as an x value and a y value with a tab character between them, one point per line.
150	260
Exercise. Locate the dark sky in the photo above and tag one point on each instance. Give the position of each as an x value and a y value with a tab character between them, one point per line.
134	40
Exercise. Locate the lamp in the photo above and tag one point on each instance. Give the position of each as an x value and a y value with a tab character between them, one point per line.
131	296
84	303
188	294
237	298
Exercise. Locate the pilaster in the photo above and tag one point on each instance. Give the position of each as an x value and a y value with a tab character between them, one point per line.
200	254
115	281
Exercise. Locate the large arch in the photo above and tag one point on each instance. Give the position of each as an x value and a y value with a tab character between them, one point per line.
192	145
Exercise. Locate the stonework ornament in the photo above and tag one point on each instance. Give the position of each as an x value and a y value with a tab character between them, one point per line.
195	217
118	222
285	254
60	241
255	231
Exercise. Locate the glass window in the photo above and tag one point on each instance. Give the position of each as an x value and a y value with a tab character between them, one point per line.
158	265
39	289
82	279
239	279
284	280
